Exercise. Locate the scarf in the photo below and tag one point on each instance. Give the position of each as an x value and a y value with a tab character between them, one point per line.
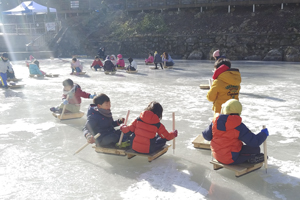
70	92
220	70
106	113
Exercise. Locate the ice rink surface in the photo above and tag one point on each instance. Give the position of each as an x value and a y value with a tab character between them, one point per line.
36	149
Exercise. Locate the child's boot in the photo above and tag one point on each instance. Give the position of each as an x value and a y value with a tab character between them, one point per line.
257	159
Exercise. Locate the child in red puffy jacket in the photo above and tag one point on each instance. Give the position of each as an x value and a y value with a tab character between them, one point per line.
149	134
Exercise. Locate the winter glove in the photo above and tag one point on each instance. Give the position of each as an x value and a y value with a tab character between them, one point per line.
92	96
265	130
90	139
65	101
124	129
175	133
121	121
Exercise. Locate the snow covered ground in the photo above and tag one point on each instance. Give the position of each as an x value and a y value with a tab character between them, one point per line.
36	149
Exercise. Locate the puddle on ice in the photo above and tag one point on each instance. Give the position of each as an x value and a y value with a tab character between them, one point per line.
36	150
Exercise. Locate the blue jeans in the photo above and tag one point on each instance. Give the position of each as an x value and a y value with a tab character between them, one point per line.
246	153
77	69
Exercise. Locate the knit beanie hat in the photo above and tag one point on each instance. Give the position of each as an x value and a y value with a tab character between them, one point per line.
216	53
231	106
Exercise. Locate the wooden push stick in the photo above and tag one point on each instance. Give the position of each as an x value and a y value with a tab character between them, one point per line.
96	136
63	111
209	82
125	123
173	117
265	152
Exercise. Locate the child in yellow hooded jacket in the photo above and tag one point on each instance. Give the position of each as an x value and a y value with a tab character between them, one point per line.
226	84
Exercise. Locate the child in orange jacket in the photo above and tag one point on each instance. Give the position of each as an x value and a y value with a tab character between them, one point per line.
145	128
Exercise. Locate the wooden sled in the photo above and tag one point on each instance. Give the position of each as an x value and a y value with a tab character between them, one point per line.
168	67
99	70
112	73
69	115
149	63
80	73
204	87
154	68
52	75
121	68
113	151
14	86
240	169
14	79
131	153
132	72
36	75
201	143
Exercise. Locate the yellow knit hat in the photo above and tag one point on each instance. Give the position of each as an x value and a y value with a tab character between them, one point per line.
231	106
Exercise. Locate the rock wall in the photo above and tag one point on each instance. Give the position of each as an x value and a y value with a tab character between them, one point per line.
271	47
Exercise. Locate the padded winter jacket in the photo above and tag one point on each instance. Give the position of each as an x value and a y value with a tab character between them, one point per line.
145	128
226	133
108	66
75	97
226	86
98	123
97	63
121	62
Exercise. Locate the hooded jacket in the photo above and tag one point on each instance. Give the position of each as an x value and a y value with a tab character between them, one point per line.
4	66
75	95
226	86
226	133
98	123
145	128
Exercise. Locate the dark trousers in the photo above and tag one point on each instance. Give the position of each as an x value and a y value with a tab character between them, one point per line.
246	153
97	67
169	63
77	69
110	139
10	75
160	65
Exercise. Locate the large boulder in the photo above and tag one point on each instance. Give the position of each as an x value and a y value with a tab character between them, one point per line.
291	54
274	55
195	55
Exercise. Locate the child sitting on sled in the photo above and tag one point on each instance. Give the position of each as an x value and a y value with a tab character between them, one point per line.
225	85
227	134
76	66
150	59
132	65
149	135
6	70
34	68
109	65
121	62
73	92
97	64
99	120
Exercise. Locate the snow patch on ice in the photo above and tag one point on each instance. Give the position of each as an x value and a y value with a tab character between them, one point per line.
279	196
165	182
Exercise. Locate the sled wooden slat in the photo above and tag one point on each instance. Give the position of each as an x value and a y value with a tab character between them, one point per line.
69	115
14	79
112	73
80	73
131	153
15	86
114	151
240	169
201	143
36	76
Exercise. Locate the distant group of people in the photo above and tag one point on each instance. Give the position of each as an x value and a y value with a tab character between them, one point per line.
159	59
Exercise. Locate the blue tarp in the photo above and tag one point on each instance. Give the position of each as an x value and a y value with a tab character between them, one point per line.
29	8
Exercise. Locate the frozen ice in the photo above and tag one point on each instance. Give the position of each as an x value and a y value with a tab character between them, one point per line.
36	149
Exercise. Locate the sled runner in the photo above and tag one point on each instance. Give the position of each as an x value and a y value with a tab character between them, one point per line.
201	143
36	75
112	150
131	153
80	73
52	75
149	63
69	115
240	169
132	72
112	73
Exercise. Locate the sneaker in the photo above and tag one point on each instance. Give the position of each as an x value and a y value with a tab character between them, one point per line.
257	159
56	110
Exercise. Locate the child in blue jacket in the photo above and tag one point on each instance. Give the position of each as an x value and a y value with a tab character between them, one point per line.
227	134
99	120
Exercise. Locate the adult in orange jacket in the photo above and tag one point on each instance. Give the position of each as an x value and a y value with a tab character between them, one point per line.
226	84
144	138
